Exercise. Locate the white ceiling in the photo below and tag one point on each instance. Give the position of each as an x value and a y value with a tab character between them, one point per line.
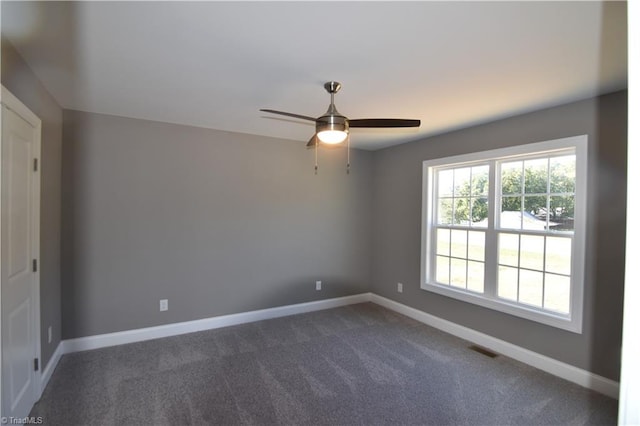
215	64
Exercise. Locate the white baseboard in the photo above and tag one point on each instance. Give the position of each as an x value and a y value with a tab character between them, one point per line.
557	368
51	366
141	334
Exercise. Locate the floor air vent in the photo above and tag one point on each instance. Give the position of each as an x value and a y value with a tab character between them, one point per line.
483	351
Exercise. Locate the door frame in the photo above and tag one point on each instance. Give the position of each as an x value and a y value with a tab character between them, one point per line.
13	103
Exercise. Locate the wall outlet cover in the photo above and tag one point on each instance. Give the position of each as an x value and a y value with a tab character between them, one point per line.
164	304
400	287
318	285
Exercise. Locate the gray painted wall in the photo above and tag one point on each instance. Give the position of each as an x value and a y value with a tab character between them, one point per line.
220	222
215	222
397	219
22	82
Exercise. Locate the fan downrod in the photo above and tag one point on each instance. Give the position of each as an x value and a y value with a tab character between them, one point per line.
332	87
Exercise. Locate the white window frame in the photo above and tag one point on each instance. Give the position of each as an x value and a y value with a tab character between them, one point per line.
571	322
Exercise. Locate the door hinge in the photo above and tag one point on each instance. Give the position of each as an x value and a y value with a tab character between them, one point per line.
35	265
36	364
35	164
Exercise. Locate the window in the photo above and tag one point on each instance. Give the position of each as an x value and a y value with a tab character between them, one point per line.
505	229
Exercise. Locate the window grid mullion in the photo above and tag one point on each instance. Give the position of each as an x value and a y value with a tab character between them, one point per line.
519	269
430	273
450	256
491	237
544	250
466	278
548	204
522	180
544	269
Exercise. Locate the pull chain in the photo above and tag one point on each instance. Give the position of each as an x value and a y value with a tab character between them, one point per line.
316	152
348	152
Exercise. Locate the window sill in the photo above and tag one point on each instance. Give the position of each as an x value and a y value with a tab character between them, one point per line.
547	318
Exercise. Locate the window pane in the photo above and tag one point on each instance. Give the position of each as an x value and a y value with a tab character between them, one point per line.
530	287
445	211
476	245
445	183
510	217
442	245
563	174
508	283
511	177
462	210
532	252
509	247
442	270
557	293
459	273
479	212
480	180
462	185
558	255
459	243
562	209
476	277
535	176
535	213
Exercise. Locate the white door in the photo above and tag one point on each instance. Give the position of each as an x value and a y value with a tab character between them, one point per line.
19	252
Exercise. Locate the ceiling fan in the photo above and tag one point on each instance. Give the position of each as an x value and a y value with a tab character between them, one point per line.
333	127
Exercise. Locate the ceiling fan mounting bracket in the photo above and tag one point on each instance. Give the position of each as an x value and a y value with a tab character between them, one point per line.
332	86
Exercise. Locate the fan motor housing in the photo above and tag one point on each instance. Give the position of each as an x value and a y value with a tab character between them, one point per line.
332	122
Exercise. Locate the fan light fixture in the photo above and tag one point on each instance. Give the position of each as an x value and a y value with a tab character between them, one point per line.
332	136
332	133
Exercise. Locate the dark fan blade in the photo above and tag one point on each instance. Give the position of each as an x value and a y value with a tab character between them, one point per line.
384	122
304	117
312	142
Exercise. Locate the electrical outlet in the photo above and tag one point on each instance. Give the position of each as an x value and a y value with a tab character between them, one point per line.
164	304
399	287
49	332
318	285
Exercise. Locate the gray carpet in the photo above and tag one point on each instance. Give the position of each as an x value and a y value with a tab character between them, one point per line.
355	365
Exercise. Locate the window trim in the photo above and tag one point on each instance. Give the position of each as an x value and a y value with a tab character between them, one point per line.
573	321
